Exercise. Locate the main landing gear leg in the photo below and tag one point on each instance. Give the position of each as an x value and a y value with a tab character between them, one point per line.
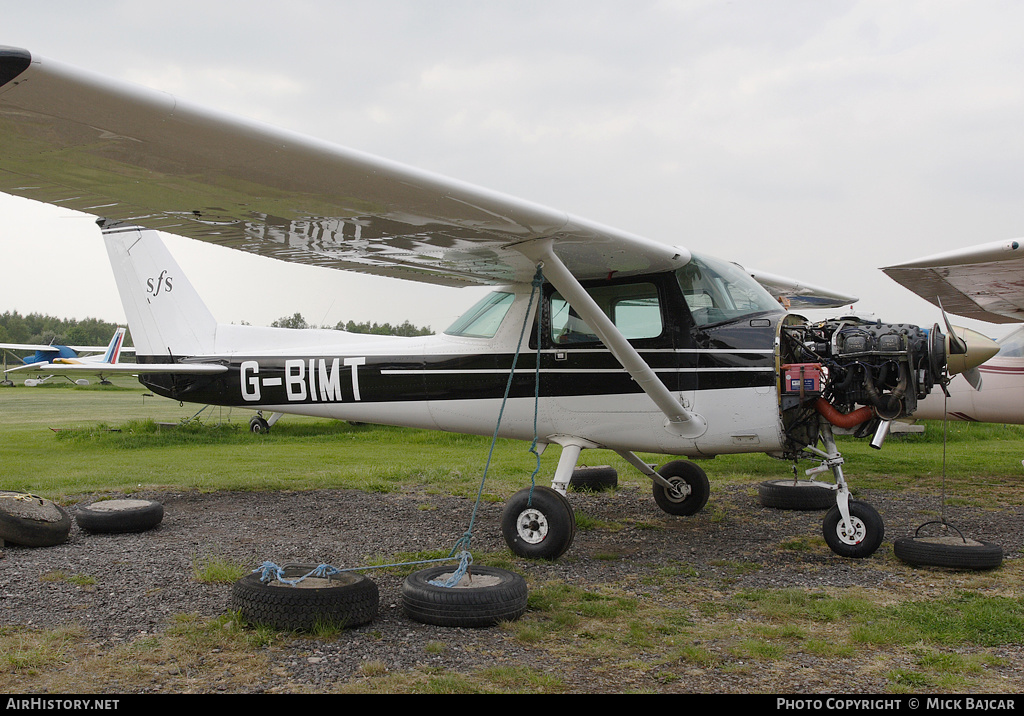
852	528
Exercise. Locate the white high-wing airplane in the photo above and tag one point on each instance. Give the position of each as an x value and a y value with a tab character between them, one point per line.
54	359
984	282
627	344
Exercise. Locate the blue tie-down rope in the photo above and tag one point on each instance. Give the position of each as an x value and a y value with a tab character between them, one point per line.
269	570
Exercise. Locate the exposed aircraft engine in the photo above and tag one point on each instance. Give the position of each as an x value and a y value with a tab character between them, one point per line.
856	373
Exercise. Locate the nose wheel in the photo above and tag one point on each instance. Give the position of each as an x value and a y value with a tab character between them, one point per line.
857	537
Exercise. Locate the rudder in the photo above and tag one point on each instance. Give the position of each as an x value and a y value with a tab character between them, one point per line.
165	313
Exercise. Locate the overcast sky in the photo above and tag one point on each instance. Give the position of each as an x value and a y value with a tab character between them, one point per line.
820	139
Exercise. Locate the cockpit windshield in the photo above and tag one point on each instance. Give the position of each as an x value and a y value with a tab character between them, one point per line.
718	291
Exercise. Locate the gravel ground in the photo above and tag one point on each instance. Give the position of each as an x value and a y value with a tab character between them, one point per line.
143	580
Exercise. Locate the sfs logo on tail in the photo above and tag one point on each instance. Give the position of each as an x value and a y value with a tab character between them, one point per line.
154	285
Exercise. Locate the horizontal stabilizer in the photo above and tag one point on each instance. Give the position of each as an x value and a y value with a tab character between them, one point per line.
131	368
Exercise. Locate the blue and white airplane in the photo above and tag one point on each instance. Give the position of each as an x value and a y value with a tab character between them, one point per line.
54	359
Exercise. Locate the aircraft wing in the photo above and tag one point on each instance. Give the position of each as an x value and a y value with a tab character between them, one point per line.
30	347
799	295
130	154
984	282
49	348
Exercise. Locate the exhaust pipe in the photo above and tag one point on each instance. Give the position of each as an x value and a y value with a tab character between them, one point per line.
880	434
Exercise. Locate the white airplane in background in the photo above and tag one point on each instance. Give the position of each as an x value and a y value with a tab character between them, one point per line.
58	359
627	344
984	282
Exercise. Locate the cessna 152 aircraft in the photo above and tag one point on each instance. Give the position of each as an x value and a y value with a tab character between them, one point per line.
628	344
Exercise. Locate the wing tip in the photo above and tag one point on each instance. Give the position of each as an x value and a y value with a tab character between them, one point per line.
13	61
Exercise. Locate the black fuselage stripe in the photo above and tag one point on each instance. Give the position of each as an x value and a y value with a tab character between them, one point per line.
380	379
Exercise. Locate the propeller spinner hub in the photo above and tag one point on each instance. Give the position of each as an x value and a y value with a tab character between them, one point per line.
967	349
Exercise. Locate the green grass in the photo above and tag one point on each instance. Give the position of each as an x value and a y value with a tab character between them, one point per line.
63	440
658	626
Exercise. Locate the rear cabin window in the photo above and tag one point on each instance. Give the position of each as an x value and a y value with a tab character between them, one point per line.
484	318
633	308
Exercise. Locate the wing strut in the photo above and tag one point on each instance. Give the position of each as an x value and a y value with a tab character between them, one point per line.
679	421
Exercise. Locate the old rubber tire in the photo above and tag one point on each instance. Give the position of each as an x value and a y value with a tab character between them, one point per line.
594	478
32	521
865	537
538	523
485	596
691	490
796	495
952	552
116	516
344	600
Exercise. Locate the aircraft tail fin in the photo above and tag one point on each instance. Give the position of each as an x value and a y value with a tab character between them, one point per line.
113	354
165	313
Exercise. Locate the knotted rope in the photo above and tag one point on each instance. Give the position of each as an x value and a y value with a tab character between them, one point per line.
269	571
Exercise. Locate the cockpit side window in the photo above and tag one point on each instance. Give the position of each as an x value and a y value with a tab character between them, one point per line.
484	318
717	291
634	308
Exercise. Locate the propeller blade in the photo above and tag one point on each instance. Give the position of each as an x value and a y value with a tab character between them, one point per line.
973	377
955	345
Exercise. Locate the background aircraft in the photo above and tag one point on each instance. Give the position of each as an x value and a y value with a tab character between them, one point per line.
51	358
984	282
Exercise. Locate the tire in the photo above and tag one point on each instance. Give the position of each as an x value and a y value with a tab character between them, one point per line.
682	474
259	425
596	478
951	552
32	521
538	523
868	531
117	516
485	597
796	495
346	600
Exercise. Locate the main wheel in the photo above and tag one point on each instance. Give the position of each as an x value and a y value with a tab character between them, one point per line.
859	540
259	425
120	516
689	492
484	597
796	494
538	523
32	521
346	599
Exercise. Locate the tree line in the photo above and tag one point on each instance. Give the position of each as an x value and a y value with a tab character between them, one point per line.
381	329
38	328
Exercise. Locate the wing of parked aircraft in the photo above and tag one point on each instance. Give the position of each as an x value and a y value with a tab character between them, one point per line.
984	282
61	360
136	155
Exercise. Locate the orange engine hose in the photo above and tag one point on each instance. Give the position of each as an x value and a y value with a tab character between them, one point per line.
842	420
